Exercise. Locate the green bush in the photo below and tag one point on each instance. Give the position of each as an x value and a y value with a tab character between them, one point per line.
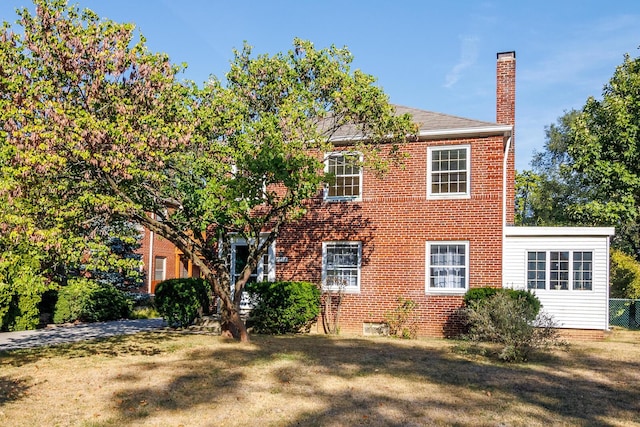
21	289
283	307
624	278
181	301
514	323
479	294
87	301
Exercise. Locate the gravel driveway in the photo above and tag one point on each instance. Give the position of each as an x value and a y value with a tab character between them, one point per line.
71	333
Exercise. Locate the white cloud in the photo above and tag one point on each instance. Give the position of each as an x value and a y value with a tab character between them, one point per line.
468	57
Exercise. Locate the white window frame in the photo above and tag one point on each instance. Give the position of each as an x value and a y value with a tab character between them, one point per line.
162	261
447	291
343	154
336	288
459	195
571	281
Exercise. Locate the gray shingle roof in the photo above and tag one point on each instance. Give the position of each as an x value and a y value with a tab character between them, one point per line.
431	124
432	121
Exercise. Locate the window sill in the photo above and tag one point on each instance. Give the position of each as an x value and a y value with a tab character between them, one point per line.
343	290
448	196
444	291
342	199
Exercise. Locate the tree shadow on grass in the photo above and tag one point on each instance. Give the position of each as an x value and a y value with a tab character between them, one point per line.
370	382
12	389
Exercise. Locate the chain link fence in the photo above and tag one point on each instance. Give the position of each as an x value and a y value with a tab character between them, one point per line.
624	312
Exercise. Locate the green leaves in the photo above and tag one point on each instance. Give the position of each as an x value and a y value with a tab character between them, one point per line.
589	173
98	131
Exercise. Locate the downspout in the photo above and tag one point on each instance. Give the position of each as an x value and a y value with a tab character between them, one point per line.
504	202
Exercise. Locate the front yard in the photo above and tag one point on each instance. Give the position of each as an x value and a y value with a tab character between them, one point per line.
171	379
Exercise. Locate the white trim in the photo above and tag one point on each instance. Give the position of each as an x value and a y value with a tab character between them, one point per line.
260	268
345	289
445	291
517	231
357	198
441	196
505	130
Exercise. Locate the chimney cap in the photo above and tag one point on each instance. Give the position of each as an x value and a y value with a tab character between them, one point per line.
506	55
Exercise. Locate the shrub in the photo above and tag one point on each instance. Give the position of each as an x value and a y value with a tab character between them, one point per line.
479	294
283	307
400	321
21	290
88	301
181	301
511	322
625	276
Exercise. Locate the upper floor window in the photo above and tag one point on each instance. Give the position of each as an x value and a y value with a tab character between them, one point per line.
447	267
346	173
448	173
341	266
560	270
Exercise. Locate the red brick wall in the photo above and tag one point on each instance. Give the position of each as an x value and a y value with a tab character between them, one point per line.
161	248
394	221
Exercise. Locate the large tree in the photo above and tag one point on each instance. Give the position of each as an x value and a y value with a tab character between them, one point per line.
545	194
605	147
96	126
589	173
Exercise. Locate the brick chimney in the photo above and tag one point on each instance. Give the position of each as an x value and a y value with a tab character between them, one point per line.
506	115
506	88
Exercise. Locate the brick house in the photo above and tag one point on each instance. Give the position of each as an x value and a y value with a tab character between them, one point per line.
433	228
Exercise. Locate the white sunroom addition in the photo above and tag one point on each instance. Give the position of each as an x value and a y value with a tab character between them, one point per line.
566	267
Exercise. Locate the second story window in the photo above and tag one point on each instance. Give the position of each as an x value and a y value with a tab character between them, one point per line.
448	173
346	176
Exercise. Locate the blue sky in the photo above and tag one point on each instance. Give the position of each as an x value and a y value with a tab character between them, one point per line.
433	55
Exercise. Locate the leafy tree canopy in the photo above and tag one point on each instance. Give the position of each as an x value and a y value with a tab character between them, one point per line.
589	173
97	127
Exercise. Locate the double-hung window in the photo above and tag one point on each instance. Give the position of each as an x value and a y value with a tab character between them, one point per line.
448	174
560	270
345	176
447	267
160	268
341	266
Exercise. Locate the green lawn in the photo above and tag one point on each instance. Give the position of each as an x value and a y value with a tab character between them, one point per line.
171	379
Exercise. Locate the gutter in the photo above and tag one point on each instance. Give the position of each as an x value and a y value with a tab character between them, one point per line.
437	133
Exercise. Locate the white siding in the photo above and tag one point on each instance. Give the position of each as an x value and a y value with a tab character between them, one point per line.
576	309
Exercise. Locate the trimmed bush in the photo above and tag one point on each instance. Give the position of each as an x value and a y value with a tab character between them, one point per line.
181	301
479	294
283	307
88	301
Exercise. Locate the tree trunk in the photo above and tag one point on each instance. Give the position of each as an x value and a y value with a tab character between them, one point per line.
234	327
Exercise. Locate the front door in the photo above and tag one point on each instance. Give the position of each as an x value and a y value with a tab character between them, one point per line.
265	269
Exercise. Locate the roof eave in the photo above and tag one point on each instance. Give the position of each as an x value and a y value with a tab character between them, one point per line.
505	130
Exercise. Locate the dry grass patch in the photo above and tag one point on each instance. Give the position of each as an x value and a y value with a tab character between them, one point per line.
164	379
